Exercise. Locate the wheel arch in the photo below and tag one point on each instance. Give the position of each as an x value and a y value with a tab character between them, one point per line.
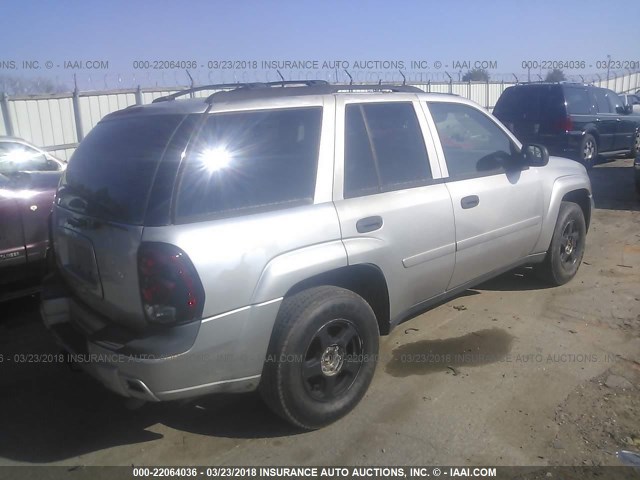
582	197
366	280
571	188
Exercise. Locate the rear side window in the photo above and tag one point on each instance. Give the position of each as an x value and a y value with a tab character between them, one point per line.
246	162
602	101
384	149
110	174
578	102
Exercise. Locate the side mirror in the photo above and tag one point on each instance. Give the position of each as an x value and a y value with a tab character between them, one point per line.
535	155
624	109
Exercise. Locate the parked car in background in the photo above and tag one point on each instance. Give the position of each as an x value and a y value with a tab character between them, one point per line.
18	155
264	237
636	168
632	100
28	181
575	120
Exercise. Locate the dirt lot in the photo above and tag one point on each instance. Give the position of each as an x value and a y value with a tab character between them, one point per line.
551	377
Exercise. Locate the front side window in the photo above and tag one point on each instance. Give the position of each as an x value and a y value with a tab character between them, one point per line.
245	162
384	149
614	100
473	144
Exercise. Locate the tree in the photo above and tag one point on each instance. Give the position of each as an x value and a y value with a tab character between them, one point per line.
476	75
14	85
555	75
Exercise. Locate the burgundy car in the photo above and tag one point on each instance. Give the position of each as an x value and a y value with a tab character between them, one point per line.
28	181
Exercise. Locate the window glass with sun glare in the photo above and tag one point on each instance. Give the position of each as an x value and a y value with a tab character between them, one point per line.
251	161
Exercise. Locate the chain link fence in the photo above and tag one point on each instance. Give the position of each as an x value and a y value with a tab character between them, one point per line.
59	119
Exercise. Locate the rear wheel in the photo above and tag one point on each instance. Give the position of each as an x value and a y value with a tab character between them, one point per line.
588	151
567	246
322	356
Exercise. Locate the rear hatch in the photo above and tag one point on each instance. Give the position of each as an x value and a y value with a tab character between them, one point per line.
532	112
101	206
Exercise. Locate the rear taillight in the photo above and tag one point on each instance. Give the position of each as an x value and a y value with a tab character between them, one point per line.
170	287
565	124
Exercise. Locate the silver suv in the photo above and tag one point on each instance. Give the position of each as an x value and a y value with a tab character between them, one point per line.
264	237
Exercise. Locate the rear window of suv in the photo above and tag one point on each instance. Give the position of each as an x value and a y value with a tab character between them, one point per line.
109	176
534	103
247	162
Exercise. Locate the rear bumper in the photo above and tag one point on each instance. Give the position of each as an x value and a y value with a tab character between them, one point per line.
224	353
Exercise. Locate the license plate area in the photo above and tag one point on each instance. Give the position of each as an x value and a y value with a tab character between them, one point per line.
79	261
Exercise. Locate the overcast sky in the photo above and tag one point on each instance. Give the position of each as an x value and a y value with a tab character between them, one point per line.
121	32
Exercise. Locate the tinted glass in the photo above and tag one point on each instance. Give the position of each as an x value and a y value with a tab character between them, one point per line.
614	100
602	101
110	174
578	102
384	149
251	161
16	157
473	144
530	104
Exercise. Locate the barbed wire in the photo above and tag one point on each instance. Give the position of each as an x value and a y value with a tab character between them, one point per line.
14	85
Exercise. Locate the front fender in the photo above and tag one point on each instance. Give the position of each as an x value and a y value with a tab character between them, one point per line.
561	187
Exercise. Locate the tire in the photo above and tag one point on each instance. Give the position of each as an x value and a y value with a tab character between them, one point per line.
588	151
635	149
321	357
567	246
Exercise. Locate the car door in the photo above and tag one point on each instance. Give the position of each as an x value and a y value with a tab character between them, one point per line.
606	120
393	208
626	127
497	202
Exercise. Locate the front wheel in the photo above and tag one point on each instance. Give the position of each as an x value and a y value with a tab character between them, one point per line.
635	148
321	357
567	246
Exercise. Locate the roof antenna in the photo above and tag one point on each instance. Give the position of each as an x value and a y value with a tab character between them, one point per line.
281	77
350	77
404	79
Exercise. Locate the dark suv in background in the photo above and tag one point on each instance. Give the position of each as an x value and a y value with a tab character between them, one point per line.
572	120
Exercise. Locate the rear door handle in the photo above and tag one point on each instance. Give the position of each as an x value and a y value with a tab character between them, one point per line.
470	201
369	224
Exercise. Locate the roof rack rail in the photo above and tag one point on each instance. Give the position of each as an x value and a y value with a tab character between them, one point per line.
188	91
378	87
221	86
280	83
